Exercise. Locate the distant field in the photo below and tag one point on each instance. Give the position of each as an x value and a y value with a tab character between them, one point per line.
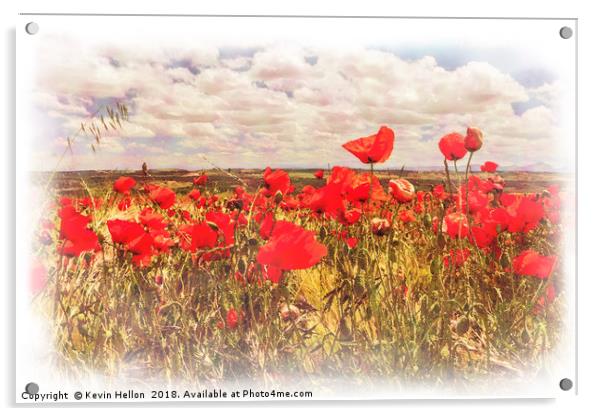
72	183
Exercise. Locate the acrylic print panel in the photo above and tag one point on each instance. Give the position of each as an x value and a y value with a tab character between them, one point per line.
295	208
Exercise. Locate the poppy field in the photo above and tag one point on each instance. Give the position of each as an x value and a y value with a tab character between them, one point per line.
352	276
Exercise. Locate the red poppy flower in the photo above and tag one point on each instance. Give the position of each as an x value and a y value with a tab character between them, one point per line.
341	176
482	236
275	181
473	140
143	249
195	194
477	199
124	184
224	224
123	232
407	216
402	190
197	236
200	180
289	203
500	217
452	146
162	241
351	242
489	166
319	174
524	215
456	225
151	219
352	216
365	187
373	149
265	230
531	263
74	232
508	200
165	197
380	226
439	192
291	247
124	204
271	273
232	318
327	200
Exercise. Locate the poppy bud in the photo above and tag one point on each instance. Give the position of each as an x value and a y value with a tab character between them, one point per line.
278	197
462	325
242	267
159	280
474	139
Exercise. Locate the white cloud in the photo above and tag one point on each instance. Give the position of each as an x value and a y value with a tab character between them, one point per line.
279	107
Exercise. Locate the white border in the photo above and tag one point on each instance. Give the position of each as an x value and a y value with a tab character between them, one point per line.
590	31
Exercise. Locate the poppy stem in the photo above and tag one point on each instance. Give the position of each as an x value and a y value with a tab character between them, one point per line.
449	186
468	167
371	176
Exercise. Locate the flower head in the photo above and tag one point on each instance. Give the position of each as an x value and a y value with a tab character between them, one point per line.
531	263
291	247
124	184
474	139
452	146
489	167
373	149
402	190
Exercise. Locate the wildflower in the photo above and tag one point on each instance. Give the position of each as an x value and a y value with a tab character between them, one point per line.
452	146
276	181
456	225
489	167
200	180
291	247
380	226
373	149
232	318
402	190
124	184
531	263
74	232
165	197
473	140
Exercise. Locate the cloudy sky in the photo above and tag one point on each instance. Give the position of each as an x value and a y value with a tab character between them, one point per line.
286	104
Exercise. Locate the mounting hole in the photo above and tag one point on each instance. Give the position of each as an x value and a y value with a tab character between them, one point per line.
566	384
566	32
32	388
32	28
